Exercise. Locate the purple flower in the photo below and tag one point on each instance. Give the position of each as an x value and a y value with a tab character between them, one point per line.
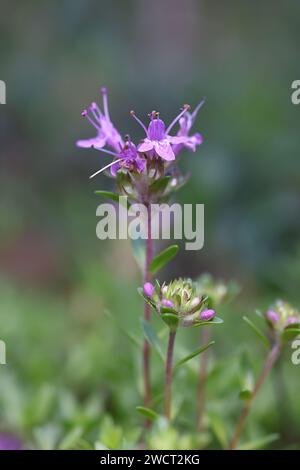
272	316
148	289
207	315
9	442
158	142
185	124
167	303
127	158
106	132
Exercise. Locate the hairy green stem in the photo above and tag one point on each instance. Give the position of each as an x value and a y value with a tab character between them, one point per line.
270	361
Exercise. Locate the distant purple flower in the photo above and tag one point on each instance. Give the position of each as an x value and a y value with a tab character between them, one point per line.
272	316
106	132
207	315
158	142
148	289
9	442
167	303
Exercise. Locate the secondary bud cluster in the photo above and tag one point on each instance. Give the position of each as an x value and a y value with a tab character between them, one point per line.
282	316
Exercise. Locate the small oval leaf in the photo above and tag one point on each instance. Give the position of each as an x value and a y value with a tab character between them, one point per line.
147	412
163	258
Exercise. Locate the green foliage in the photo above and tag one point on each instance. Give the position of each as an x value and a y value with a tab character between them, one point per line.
193	354
164	257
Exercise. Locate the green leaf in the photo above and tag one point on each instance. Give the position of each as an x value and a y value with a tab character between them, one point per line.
258	332
214	321
259	443
171	310
245	395
171	320
193	354
112	196
163	258
218	427
290	333
160	184
147	412
71	439
152	338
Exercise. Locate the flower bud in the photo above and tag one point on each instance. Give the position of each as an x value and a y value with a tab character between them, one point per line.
167	303
207	315
272	316
148	289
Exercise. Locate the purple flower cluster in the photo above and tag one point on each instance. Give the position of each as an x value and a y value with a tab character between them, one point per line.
157	144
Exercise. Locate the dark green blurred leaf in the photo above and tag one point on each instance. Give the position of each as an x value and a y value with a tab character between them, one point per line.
245	395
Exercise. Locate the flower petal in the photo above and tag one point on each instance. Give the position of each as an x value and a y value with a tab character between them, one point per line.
164	150
94	142
146	145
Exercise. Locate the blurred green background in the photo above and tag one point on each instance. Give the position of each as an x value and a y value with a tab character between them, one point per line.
69	367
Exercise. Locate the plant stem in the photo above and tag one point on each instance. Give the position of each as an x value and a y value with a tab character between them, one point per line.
205	337
169	374
147	313
270	361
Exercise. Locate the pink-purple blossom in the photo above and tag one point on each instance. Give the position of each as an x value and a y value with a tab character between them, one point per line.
158	142
107	134
207	315
148	289
167	303
157	145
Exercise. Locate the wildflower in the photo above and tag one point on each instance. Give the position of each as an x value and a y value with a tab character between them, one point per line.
128	158
158	141
107	134
148	289
180	298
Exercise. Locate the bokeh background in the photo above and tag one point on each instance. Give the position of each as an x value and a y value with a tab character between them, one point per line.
69	367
